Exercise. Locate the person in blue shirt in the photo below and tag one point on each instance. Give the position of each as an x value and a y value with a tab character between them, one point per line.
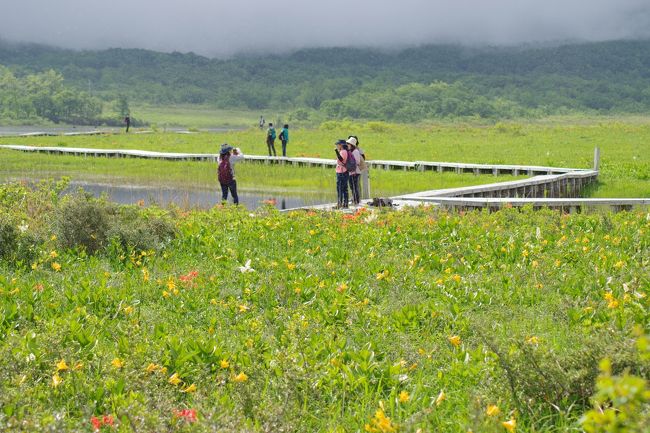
284	137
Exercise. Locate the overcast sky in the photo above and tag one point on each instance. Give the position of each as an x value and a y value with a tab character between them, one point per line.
221	28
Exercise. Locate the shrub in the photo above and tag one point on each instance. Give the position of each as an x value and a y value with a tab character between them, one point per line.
16	246
8	237
140	229
83	222
90	224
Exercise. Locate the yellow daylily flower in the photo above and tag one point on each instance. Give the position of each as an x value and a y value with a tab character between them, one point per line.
56	380
492	410
241	377
174	379
117	363
224	363
510	425
404	397
189	389
441	397
454	340
61	365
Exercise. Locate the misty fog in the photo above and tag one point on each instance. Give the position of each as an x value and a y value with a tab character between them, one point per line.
222	28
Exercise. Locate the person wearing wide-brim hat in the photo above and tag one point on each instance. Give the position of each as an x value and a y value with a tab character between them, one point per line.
228	156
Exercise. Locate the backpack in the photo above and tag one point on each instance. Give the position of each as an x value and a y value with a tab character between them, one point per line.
271	133
351	163
281	136
224	172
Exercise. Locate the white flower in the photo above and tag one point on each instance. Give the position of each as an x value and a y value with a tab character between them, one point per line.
371	217
23	227
246	267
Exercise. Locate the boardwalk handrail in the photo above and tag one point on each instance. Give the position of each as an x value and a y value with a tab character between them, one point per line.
543	202
322	162
477	189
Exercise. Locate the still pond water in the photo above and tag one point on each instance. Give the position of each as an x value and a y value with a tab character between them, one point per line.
193	198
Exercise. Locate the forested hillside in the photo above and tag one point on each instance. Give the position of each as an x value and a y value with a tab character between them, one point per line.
419	83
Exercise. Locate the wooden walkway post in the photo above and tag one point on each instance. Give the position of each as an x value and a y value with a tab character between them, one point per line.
365	184
596	158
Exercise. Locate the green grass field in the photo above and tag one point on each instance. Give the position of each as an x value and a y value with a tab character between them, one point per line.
625	151
128	319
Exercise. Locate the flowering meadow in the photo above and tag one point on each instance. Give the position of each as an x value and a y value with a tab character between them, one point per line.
125	319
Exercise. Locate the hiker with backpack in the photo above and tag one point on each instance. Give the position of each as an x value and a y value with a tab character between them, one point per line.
226	171
354	169
342	177
284	137
270	139
364	178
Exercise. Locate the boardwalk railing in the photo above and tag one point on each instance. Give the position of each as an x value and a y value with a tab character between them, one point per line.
493	169
556	185
565	204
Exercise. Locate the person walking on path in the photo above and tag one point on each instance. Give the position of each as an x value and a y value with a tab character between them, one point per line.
262	122
127	120
228	156
356	173
284	137
270	139
341	174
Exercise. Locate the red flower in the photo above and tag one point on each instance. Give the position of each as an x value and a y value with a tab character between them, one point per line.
189	278
99	422
188	414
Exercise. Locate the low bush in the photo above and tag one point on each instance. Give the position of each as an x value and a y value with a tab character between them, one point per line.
83	222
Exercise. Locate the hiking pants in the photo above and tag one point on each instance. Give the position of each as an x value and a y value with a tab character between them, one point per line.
342	188
354	188
232	186
270	142
284	147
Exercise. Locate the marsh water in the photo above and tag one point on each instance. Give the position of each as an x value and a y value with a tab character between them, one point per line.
193	197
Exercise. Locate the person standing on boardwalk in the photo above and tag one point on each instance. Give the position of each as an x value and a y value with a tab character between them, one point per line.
270	139
356	173
226	171
364	187
284	137
341	174
127	120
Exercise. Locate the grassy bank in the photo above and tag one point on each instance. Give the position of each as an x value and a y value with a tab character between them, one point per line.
396	321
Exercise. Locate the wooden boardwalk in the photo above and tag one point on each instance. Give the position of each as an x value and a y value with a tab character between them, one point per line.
552	187
477	169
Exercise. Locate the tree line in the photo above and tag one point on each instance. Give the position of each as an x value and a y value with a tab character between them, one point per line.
427	82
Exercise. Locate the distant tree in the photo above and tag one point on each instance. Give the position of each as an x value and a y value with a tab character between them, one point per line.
122	105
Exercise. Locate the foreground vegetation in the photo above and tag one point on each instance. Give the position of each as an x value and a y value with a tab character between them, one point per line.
129	319
624	144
